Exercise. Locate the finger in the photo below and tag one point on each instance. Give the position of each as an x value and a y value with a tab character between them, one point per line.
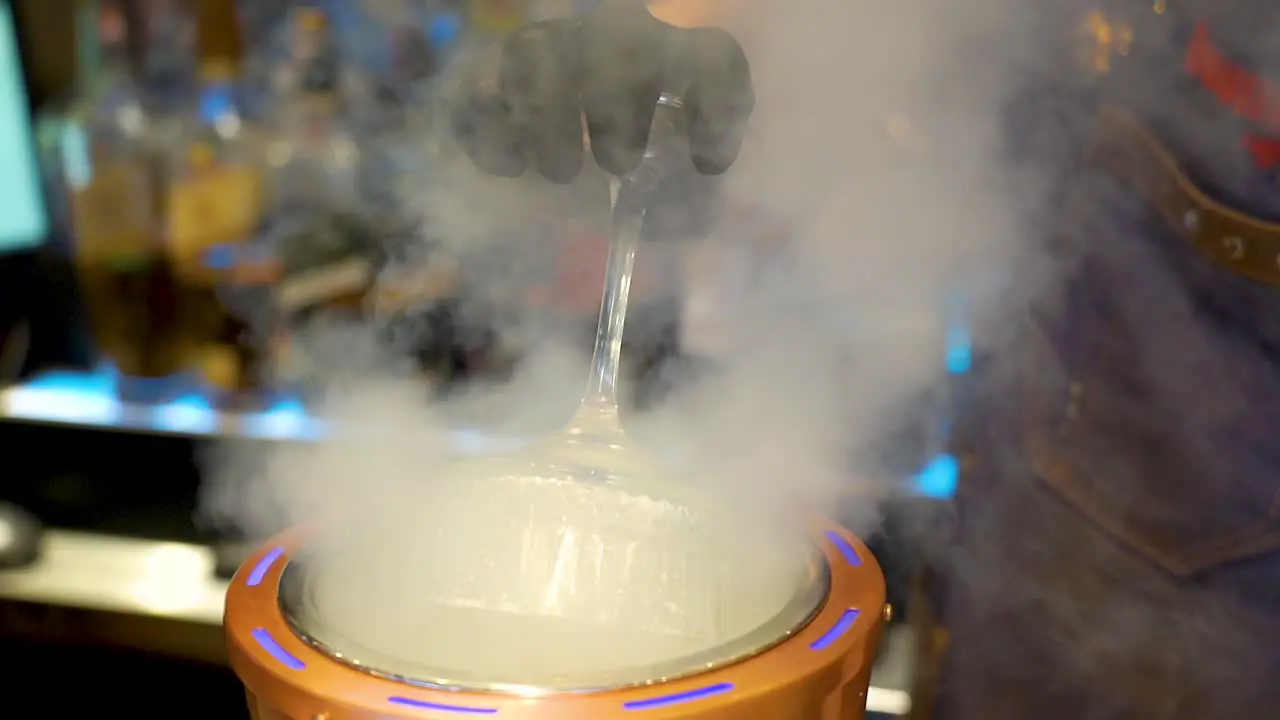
624	60
482	119
541	78
719	99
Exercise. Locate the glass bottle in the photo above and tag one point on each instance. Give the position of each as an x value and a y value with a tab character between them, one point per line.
213	198
312	154
103	193
317	230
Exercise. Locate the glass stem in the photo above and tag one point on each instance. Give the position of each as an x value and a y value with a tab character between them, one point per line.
628	218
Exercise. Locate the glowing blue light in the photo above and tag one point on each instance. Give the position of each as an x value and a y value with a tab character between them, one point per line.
847	551
677	698
273	648
837	631
939	478
286	420
959	339
959	349
99	382
220	257
92	399
67	397
260	570
190	413
445	28
217	101
424	705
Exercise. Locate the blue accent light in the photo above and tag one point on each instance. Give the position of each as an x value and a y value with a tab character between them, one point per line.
959	338
678	698
217	101
74	398
268	643
93	399
939	478
444	30
260	570
191	413
100	381
424	705
837	631
959	349
287	419
846	550
221	257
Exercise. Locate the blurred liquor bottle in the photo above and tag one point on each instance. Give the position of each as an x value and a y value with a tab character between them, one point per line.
168	66
307	29
312	154
316	229
103	192
213	199
91	143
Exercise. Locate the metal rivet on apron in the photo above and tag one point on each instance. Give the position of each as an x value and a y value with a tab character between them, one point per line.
1191	219
1234	244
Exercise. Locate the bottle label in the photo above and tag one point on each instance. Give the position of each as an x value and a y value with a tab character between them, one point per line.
497	17
113	214
210	207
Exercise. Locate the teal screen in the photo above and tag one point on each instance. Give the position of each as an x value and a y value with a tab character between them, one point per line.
23	222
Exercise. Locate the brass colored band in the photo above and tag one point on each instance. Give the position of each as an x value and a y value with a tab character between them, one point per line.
1227	237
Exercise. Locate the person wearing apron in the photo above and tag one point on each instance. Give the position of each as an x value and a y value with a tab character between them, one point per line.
1117	552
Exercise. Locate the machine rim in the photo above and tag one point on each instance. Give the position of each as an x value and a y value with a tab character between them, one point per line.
793	618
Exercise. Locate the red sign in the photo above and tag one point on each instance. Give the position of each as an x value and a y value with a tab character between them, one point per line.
1242	91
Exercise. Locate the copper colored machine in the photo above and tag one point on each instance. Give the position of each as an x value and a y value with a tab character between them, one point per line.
811	661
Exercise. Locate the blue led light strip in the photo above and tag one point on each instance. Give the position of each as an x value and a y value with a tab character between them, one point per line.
260	570
678	698
273	648
959	349
847	551
424	705
837	631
